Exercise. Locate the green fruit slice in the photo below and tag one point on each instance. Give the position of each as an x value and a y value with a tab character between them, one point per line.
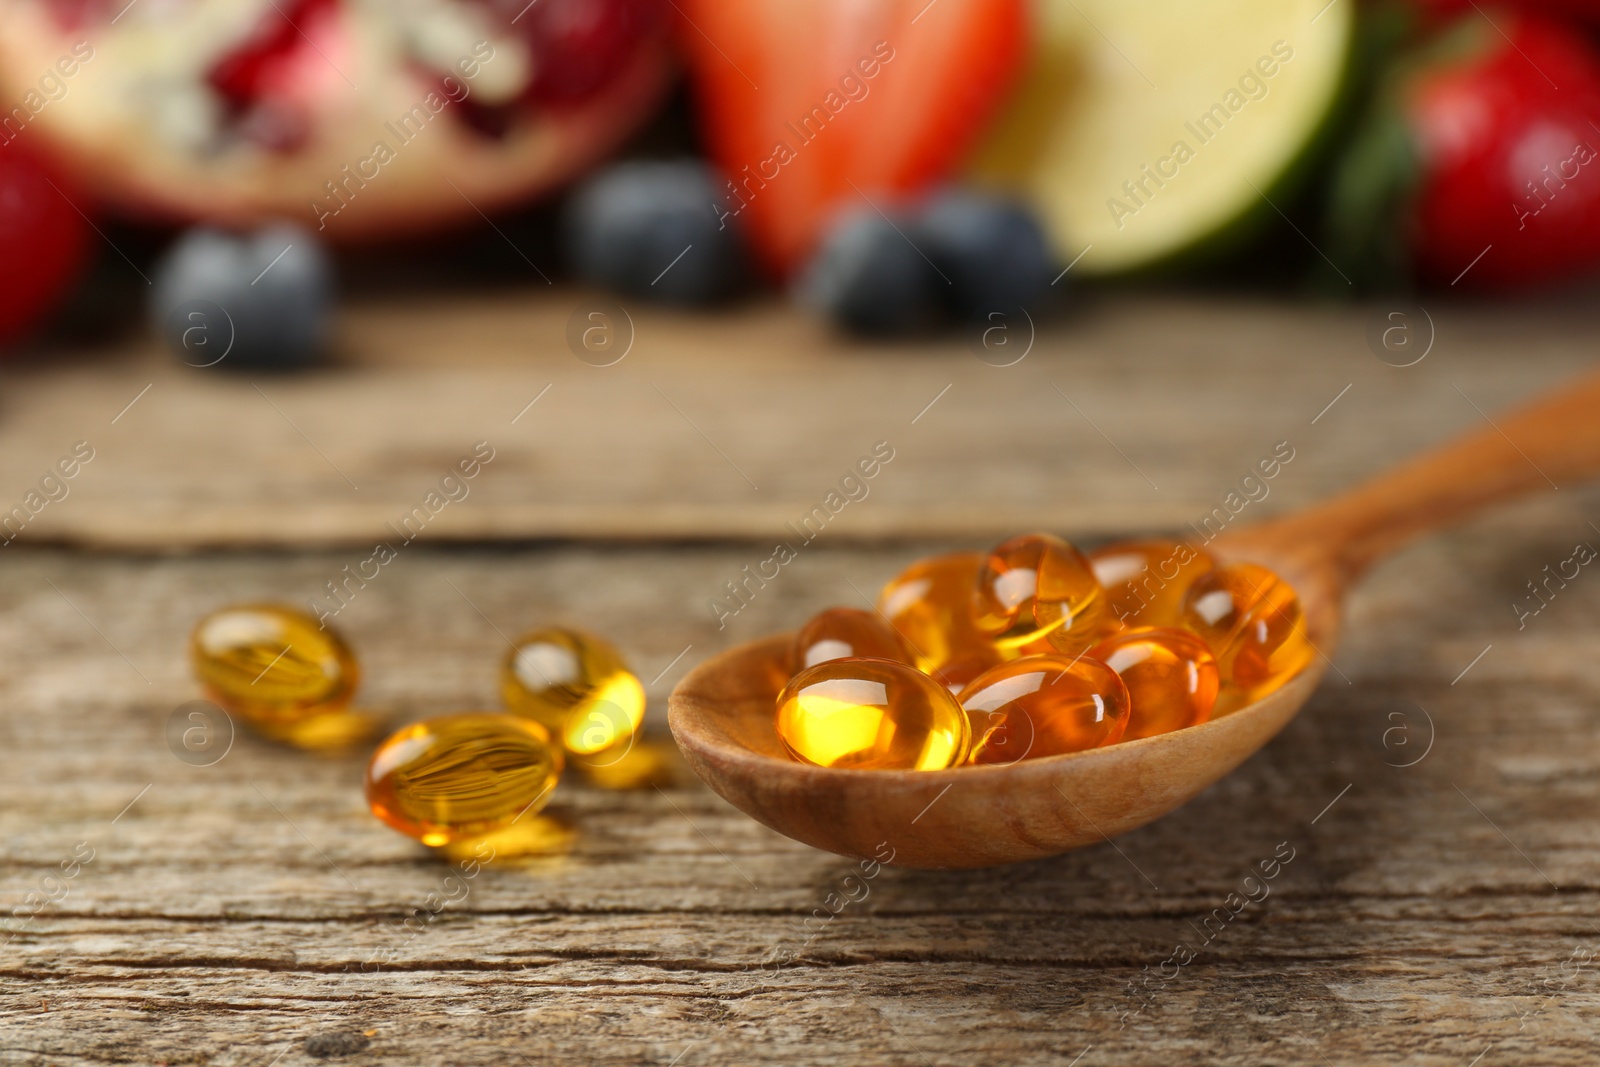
1145	127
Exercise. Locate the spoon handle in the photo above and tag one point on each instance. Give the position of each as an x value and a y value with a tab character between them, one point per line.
1549	443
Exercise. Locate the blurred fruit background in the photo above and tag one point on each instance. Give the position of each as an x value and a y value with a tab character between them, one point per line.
900	167
671	275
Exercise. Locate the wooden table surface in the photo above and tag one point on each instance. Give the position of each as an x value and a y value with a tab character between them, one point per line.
1437	796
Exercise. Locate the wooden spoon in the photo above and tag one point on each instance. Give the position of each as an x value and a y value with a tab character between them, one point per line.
722	713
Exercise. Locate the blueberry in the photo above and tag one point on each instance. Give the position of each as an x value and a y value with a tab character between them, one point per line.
259	301
656	230
992	250
869	276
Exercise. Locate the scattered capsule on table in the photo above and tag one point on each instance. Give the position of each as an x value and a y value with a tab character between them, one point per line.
273	666
1145	580
1044	705
871	714
464	776
930	605
1038	593
576	685
1252	621
845	633
1171	677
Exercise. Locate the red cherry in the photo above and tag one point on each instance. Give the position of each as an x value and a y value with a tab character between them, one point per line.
1508	143
1581	10
43	240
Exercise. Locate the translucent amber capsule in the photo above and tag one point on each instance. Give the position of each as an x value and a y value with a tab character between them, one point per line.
1171	677
930	605
1145	580
842	633
273	666
871	714
1252	620
1039	587
576	685
460	777
1044	706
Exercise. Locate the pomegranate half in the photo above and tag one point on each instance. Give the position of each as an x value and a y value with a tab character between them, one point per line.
358	118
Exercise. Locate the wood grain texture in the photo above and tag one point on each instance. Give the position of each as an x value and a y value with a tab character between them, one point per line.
232	914
1429	912
1128	413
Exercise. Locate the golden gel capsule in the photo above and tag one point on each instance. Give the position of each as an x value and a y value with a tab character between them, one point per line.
1145	580
1171	677
1044	706
272	665
1252	621
462	776
1039	588
871	714
576	685
846	633
930	605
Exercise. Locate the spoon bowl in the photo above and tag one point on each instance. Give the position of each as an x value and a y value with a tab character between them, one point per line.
722	713
722	716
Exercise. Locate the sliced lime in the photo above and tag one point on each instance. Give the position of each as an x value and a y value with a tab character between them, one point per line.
1143	128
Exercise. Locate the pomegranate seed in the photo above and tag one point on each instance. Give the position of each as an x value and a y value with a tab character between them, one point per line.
248	73
579	46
